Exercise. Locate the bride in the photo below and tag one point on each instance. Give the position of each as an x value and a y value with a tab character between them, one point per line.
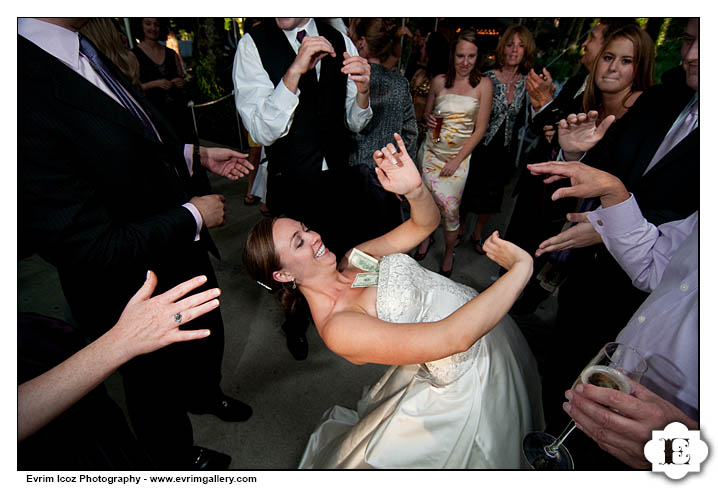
462	389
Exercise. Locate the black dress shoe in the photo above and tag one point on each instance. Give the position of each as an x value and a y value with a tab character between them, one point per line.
225	408
296	343
206	459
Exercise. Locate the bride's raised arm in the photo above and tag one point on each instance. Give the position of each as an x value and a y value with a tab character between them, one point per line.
397	173
361	338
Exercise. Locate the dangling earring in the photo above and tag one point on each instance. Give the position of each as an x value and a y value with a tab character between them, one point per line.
294	284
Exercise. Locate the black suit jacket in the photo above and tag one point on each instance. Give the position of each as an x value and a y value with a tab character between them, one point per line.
98	198
564	104
669	191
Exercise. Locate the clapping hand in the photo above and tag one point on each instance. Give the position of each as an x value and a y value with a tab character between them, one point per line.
225	162
358	70
579	133
540	88
396	171
312	49
162	83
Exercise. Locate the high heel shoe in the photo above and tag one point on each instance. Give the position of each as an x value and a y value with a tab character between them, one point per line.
447	273
420	256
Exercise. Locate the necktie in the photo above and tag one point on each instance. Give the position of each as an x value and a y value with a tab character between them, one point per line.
87	48
676	135
301	35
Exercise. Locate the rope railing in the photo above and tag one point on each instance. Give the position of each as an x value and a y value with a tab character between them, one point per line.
192	106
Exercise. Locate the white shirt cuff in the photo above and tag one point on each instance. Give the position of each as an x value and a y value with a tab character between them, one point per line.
358	118
534	112
197	216
188	150
284	97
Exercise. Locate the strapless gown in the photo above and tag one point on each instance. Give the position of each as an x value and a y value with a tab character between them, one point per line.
468	410
459	112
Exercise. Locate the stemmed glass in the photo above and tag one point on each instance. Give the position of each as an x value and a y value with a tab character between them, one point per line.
610	368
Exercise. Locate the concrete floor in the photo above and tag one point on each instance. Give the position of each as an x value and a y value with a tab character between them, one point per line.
288	397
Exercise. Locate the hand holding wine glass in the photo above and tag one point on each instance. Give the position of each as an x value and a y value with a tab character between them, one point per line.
614	365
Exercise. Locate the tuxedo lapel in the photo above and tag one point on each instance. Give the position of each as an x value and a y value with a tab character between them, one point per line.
74	90
653	138
71	88
685	146
655	127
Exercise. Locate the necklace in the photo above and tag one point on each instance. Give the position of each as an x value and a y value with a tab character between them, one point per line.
502	77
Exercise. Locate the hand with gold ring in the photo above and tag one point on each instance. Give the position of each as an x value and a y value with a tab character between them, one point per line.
150	323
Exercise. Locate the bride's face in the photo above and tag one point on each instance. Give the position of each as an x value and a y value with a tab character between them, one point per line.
300	250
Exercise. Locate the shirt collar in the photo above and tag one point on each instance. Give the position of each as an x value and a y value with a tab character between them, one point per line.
310	27
62	43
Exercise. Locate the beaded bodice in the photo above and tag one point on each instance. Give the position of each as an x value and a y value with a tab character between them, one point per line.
409	293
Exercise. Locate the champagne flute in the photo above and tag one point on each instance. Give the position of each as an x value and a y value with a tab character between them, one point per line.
611	368
439	116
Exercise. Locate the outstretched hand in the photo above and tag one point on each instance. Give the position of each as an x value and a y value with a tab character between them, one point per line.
396	170
225	162
579	236
505	253
586	181
150	323
579	133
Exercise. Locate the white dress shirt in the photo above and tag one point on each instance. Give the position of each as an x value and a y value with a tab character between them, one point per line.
267	111
664	261
64	45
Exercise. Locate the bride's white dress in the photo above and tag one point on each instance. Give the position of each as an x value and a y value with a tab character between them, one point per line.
469	410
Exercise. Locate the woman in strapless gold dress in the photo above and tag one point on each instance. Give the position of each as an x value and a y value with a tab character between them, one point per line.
462	99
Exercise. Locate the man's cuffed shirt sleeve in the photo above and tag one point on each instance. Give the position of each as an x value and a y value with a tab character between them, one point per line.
642	249
197	217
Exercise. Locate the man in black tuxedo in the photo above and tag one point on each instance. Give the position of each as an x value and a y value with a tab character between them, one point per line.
105	195
654	150
300	86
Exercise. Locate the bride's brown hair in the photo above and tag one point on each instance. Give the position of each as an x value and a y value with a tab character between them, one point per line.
261	261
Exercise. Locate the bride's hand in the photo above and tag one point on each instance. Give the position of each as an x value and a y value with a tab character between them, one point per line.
396	171
505	253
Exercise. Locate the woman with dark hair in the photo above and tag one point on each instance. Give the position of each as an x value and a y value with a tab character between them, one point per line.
491	161
434	61
374	210
463	388
161	76
457	114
